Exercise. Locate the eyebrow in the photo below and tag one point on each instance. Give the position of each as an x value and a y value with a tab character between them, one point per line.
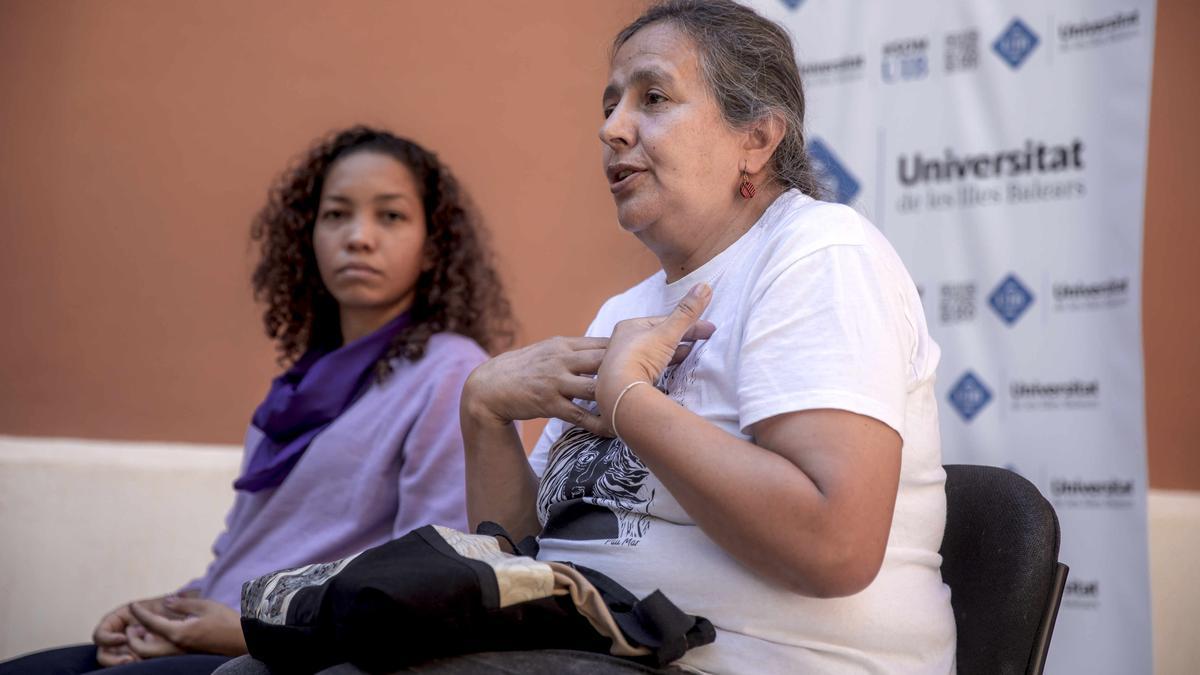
386	197
640	78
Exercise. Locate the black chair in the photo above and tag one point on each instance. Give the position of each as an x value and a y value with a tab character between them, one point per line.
1000	560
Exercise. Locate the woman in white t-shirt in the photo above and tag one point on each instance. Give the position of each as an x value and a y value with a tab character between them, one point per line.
780	472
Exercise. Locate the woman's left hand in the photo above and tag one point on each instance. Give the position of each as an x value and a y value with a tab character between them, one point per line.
204	626
641	349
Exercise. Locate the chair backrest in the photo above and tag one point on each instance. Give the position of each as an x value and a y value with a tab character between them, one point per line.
1000	560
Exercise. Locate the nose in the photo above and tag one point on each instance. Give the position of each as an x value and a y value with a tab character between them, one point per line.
361	234
619	129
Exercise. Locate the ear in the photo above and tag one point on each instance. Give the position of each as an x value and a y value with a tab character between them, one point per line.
762	138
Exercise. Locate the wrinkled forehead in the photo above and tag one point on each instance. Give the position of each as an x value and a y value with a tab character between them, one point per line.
659	51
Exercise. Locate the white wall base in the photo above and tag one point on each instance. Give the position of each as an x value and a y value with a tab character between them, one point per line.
1175	597
88	525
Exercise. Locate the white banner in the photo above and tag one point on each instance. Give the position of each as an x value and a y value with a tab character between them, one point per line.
1001	147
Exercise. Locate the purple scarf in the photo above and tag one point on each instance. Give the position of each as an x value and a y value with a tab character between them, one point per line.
308	397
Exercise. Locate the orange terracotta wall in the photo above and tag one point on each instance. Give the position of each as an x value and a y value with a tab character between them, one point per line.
1171	275
137	139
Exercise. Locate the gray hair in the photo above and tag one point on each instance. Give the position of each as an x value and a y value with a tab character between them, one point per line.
750	67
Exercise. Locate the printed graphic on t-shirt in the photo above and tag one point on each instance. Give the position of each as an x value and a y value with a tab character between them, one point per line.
596	488
677	380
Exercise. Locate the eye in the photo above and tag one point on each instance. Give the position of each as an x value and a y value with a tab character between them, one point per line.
332	215
393	216
655	98
608	109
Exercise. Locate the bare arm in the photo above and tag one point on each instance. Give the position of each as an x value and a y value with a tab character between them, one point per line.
808	503
538	381
501	486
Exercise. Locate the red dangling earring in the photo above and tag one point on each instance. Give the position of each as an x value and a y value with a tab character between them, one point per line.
747	188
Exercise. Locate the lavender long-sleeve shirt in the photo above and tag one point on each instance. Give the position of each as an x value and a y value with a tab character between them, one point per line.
391	463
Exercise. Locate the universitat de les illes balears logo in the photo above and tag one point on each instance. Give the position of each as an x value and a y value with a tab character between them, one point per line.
842	184
1010	299
969	395
1016	43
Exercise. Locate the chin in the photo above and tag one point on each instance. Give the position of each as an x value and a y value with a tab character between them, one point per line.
356	299
635	217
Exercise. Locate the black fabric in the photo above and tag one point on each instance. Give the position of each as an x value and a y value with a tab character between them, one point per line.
415	599
578	520
653	622
1000	554
527	547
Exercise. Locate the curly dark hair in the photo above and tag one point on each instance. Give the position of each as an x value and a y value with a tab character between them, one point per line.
460	291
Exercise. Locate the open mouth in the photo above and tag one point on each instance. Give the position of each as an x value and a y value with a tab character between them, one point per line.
620	177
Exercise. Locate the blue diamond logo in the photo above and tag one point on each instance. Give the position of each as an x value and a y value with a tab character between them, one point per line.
1016	43
969	395
830	171
793	4
1010	299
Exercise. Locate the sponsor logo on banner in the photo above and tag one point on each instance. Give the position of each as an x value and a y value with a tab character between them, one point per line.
1098	31
1081	295
957	303
1034	157
842	69
1010	299
962	51
906	59
840	182
1039	395
1081	594
793	4
1016	43
969	395
1108	493
1037	171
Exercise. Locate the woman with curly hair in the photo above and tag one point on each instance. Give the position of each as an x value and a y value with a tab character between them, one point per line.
381	296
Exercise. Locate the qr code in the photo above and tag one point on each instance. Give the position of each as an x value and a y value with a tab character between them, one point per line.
962	51
957	303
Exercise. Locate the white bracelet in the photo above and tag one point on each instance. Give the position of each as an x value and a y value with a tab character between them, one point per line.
613	417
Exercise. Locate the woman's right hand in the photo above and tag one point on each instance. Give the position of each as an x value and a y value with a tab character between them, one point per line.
111	636
539	381
112	648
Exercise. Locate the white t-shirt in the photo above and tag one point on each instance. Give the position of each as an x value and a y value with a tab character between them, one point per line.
813	309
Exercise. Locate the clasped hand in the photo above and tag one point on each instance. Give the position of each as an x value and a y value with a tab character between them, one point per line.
167	626
546	379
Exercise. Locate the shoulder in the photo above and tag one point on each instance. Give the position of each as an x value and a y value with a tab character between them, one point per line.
802	232
797	226
447	347
448	356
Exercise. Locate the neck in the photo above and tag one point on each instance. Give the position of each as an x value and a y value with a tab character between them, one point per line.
359	322
684	245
